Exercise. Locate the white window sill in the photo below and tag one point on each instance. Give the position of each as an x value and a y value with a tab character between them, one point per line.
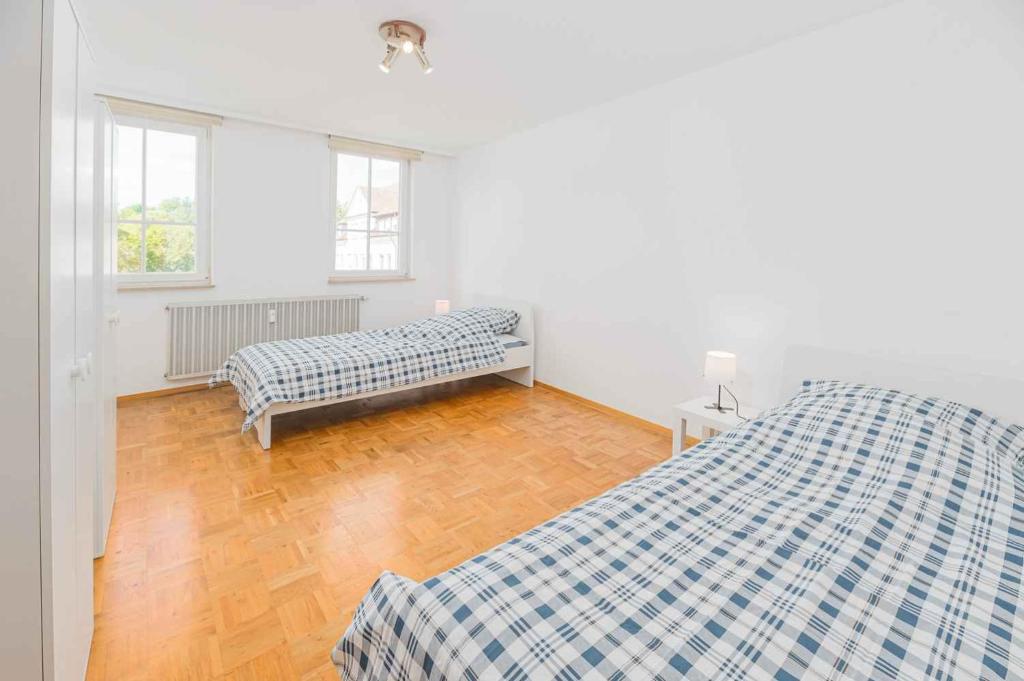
364	278
163	284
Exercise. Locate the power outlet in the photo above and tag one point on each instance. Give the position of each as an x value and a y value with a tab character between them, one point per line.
271	316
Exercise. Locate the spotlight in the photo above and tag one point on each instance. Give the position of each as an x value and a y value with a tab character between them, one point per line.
424	62
385	65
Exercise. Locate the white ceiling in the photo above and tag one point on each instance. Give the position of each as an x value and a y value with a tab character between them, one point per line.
500	66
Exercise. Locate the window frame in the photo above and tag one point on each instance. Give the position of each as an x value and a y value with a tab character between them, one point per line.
202	277
404	269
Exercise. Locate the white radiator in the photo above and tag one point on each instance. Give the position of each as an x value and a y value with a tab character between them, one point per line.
201	336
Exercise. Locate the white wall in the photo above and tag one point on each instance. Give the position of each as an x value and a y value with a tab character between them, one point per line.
270	216
859	188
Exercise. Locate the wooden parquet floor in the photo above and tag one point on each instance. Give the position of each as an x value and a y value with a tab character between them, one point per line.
228	562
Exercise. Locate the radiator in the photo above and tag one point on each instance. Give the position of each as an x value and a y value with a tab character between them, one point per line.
201	336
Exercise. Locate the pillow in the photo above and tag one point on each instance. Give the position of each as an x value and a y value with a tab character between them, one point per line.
1006	438
488	321
499	319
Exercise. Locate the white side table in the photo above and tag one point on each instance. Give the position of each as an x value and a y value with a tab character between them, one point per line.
695	419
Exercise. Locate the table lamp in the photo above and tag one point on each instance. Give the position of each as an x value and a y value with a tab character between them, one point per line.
720	368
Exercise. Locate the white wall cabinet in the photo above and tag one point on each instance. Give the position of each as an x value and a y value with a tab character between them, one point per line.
20	566
49	404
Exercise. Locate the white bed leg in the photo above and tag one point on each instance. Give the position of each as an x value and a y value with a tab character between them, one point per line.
263	430
523	376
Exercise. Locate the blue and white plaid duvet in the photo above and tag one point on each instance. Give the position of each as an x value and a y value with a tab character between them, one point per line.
328	367
853	533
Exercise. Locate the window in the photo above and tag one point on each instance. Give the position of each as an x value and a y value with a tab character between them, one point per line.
370	216
163	202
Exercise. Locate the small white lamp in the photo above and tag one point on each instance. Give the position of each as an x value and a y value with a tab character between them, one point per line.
442	306
720	368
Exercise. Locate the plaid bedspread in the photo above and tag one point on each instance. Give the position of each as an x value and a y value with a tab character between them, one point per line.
853	533
329	367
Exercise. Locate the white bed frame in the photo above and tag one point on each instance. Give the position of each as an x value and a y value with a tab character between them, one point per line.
997	396
517	367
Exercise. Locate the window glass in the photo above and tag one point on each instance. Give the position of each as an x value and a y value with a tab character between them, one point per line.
159	229
129	172
170	177
368	215
170	248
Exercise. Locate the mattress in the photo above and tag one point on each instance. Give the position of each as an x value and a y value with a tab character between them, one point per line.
852	533
510	341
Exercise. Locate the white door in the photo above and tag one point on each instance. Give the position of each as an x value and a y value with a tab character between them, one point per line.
105	261
87	423
60	508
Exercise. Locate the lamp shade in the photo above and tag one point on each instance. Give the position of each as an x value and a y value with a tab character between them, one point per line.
442	306
720	367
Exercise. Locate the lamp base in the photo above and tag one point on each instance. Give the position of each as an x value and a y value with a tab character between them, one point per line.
719	407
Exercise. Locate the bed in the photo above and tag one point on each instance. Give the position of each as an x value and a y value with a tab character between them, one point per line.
490	336
854	532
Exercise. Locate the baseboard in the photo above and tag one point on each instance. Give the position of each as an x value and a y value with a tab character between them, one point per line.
176	390
605	409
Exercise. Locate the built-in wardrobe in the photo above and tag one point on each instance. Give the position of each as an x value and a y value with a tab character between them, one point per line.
54	413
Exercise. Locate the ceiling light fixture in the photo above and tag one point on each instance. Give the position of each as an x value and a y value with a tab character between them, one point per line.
407	37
